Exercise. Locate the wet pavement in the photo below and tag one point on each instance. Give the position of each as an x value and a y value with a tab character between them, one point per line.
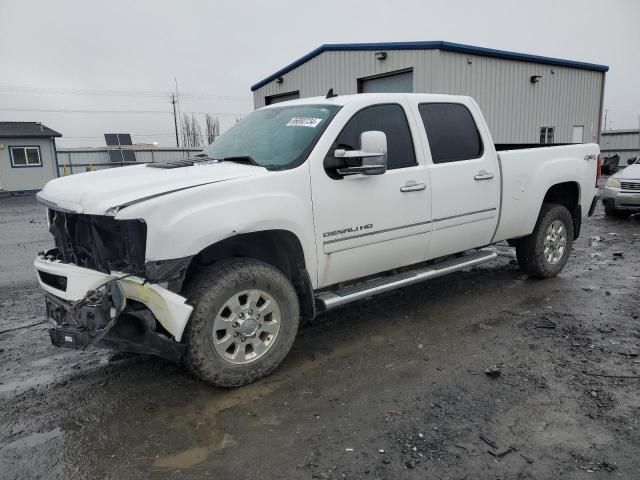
393	387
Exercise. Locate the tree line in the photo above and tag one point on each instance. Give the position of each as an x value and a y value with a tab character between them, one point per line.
192	133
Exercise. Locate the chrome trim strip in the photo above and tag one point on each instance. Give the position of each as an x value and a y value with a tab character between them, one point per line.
463	214
366	234
385	230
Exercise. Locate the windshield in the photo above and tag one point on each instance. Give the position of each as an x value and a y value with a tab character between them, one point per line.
275	138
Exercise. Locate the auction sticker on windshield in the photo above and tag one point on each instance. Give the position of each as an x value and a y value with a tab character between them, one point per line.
304	122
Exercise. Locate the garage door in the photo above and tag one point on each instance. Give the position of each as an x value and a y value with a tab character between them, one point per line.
395	83
283	97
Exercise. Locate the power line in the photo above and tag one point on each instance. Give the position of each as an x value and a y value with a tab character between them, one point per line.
62	110
114	93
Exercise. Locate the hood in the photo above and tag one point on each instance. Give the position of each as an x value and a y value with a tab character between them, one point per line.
632	172
104	192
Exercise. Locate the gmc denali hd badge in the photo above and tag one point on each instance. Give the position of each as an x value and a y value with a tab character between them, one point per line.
348	230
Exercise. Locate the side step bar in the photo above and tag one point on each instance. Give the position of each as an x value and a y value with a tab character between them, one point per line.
337	298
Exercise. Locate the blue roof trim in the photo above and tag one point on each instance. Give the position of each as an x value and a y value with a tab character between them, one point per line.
434	45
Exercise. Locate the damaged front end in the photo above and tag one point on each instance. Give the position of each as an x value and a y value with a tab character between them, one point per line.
99	242
84	323
100	291
105	318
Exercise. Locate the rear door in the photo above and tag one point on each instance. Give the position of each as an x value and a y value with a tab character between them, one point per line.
464	174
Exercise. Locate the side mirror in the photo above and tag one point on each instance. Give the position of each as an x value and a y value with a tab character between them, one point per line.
371	159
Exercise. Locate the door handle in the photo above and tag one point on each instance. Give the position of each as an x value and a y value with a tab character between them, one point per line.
412	186
483	175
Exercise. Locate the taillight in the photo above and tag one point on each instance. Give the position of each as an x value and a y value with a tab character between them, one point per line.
599	169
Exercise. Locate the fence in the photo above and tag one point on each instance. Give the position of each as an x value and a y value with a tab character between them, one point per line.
77	160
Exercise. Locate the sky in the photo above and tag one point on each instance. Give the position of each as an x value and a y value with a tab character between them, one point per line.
84	67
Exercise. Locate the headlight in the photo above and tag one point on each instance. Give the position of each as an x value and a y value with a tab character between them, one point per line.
613	182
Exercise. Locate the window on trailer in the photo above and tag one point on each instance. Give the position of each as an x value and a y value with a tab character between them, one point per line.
25	156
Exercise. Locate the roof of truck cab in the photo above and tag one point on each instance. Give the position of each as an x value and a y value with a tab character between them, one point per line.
431	45
342	100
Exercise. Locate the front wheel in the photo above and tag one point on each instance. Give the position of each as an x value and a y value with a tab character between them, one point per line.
545	252
244	322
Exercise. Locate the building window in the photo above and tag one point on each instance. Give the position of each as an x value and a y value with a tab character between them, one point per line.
546	134
25	156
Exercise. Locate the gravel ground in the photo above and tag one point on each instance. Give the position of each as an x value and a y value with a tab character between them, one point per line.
391	388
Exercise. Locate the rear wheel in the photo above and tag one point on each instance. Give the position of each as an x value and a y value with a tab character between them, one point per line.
545	252
245	319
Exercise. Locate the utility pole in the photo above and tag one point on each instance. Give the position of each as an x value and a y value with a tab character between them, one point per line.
175	118
605	118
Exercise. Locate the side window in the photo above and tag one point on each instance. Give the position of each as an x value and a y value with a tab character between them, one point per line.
452	133
546	134
389	119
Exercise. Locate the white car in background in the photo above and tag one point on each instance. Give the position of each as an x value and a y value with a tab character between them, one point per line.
621	193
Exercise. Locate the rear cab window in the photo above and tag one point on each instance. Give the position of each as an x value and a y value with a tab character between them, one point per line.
451	131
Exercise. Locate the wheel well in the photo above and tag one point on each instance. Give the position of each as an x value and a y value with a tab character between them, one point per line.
567	194
279	248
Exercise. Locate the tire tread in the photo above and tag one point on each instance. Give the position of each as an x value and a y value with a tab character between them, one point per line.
202	293
529	251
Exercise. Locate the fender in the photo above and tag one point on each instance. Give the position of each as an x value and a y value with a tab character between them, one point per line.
186	222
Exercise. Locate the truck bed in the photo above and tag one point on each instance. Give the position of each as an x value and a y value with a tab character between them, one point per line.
528	173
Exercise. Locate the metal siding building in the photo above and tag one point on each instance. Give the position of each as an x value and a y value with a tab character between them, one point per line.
566	96
624	143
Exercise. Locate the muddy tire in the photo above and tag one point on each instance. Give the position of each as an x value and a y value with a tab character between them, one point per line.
245	319
545	252
611	211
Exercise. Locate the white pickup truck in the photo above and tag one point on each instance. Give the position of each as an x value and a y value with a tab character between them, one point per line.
302	207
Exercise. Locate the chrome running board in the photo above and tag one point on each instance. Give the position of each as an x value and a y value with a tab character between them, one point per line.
337	298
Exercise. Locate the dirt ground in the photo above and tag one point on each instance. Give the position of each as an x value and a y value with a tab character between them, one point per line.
390	388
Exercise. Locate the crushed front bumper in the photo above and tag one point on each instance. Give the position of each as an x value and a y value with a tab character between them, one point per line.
67	286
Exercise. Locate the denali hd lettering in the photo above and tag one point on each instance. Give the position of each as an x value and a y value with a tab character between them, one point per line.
347	230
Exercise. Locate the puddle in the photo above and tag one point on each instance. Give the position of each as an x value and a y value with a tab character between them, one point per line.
193	456
187	459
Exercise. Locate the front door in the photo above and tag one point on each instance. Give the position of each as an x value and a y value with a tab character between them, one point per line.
368	224
465	177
